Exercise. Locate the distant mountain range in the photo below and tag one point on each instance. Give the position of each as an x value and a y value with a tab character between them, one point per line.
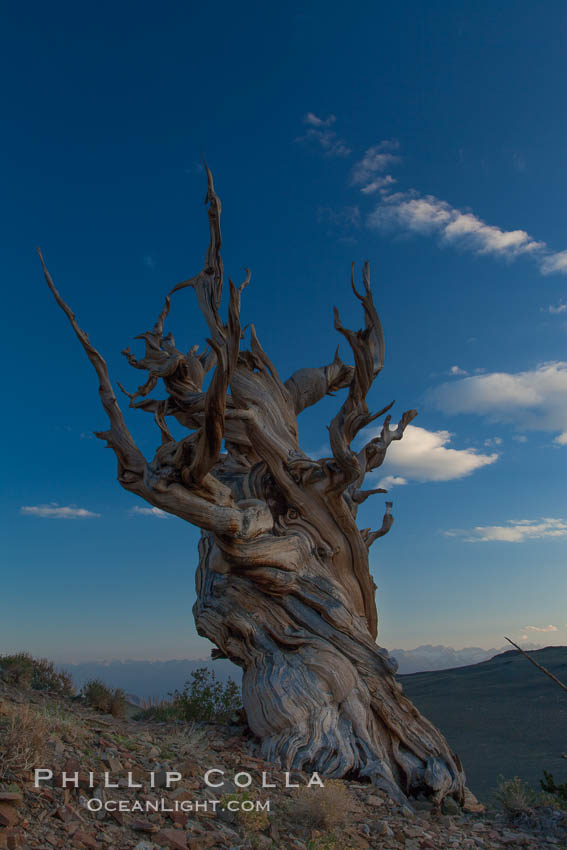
426	658
156	679
148	679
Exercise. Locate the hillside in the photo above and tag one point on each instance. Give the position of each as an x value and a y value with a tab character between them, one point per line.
58	733
502	716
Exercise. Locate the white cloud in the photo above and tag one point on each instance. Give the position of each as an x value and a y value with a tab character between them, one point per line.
555	263
456	370
534	400
375	160
549	628
55	511
555	309
313	120
423	455
319	131
515	531
381	183
157	512
392	481
428	215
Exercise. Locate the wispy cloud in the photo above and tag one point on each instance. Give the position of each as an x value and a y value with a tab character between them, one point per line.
376	159
319	130
555	309
549	628
535	399
555	263
456	370
155	512
150	262
514	531
428	215
379	183
425	455
55	511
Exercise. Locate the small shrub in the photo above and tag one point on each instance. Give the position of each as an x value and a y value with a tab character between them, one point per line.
118	703
24	671
203	698
549	786
249	817
99	696
46	678
514	796
323	807
191	740
162	711
23	734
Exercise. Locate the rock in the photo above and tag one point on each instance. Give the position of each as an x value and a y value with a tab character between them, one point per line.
175	839
382	828
10	797
143	826
373	800
14	839
83	839
112	763
145	845
471	804
8	815
263	842
63	813
451	807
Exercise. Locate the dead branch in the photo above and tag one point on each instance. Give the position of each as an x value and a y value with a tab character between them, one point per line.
539	666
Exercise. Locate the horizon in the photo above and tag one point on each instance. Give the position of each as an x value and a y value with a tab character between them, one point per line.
529	646
424	142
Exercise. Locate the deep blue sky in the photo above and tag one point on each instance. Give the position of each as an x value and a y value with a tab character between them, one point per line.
107	110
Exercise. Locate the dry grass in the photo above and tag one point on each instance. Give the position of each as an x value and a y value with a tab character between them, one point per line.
323	808
514	796
23	735
191	740
63	723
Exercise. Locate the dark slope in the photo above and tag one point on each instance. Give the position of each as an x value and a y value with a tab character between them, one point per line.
503	716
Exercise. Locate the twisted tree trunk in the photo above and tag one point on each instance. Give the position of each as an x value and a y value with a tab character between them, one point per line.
283	582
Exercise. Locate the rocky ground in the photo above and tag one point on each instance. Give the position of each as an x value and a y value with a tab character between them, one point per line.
62	735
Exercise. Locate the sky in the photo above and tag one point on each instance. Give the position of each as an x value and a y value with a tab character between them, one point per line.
428	138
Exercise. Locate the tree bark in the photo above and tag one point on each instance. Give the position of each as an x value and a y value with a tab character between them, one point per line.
283	582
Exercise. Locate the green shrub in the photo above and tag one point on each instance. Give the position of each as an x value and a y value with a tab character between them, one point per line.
99	696
203	698
549	785
514	795
118	703
24	671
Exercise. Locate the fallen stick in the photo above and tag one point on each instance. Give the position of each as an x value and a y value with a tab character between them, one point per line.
539	666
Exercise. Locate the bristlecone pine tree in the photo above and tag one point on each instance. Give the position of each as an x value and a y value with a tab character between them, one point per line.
283	583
